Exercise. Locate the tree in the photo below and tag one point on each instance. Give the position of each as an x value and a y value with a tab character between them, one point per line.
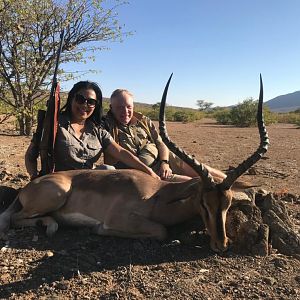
29	39
156	106
204	105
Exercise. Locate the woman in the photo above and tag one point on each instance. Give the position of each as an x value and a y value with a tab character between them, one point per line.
80	140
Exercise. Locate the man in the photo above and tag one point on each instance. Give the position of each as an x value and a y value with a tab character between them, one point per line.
136	133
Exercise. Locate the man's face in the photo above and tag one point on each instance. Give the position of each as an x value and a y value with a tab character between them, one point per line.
122	108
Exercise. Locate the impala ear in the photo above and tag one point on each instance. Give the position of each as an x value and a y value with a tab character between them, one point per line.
240	185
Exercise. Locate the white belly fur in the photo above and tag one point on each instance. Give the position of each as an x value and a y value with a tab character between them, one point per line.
76	219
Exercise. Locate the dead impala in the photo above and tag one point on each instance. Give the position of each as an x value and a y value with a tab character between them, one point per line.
130	203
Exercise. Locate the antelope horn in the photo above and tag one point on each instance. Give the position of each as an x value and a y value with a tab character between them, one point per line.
193	163
257	155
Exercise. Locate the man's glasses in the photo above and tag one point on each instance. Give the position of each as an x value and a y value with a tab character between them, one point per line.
82	100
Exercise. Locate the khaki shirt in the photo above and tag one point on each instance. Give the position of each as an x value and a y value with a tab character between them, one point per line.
139	138
72	153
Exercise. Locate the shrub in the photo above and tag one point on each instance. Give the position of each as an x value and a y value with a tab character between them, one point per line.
183	116
173	114
222	116
290	118
269	117
244	114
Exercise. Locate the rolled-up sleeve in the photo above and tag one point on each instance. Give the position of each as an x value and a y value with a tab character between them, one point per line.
105	138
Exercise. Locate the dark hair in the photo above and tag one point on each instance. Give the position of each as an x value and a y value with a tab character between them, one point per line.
85	85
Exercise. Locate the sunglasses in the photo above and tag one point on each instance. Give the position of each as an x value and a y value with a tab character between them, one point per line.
82	100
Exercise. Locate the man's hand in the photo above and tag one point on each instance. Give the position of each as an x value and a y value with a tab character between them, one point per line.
164	171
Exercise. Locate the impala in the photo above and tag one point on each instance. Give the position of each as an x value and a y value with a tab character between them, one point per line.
130	203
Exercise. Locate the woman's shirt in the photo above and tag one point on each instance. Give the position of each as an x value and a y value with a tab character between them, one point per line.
79	153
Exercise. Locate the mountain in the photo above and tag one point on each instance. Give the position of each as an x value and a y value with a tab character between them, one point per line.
285	103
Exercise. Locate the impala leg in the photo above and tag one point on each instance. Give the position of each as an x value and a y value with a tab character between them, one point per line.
45	194
135	226
22	219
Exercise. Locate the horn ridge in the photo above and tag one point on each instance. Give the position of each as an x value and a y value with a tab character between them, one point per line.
257	155
193	163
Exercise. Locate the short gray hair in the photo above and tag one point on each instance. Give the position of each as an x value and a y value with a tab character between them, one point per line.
118	92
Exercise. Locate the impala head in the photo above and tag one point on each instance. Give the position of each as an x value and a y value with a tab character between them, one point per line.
215	198
213	206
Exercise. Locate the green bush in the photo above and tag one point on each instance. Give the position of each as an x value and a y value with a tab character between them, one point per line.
183	116
222	116
290	118
172	114
244	114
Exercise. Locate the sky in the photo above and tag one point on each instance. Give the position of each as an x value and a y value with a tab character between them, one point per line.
215	49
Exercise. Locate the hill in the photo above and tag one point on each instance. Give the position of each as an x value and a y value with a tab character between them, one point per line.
285	103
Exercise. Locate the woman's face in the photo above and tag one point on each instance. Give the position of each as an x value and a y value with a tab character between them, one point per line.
83	105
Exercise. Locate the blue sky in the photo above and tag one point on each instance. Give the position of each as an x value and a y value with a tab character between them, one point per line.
216	50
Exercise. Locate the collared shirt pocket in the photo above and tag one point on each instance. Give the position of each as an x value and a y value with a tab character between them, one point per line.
93	148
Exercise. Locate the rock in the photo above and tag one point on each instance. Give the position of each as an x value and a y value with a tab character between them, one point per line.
252	171
5	248
257	222
235	218
252	238
5	277
282	234
287	197
268	203
49	254
279	263
238	196
269	280
61	286
244	226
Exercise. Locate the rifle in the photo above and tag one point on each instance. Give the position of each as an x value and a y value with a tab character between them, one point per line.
48	122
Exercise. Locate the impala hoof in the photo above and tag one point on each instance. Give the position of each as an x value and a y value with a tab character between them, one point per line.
219	246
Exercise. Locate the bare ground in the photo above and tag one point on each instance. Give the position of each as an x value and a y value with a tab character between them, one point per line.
76	264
